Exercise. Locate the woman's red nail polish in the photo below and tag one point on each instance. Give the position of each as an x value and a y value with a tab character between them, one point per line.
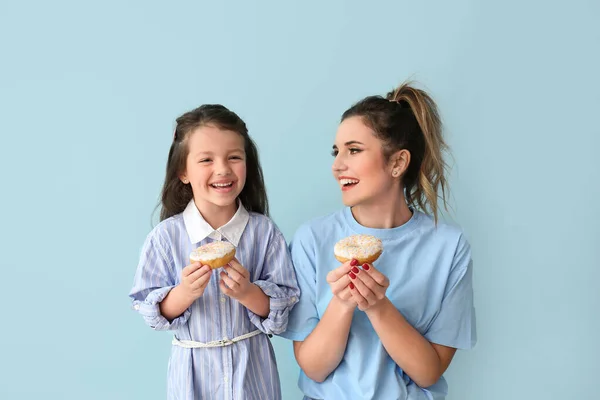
354	262
351	285
355	270
352	276
366	267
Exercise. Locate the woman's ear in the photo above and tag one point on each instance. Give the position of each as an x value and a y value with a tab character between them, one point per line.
400	162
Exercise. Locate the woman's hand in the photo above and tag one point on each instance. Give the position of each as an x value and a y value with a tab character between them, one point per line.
367	286
339	282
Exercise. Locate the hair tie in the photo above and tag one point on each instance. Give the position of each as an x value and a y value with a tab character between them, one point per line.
402	103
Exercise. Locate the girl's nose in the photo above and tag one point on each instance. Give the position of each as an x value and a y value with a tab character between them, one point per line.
222	168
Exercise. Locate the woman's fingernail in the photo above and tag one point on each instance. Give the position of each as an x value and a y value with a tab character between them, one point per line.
351	285
366	266
355	270
352	276
354	262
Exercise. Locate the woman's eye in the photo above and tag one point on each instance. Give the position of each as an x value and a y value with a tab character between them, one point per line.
355	151
334	153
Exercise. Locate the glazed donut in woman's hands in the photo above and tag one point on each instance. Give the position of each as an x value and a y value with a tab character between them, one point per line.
363	248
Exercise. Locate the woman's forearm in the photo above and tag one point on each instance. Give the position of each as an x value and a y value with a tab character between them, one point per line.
322	351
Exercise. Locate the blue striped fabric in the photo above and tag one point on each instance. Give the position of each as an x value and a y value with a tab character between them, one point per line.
246	370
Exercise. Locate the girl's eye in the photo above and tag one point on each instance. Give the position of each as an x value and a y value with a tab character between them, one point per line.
205	160
355	151
236	158
334	153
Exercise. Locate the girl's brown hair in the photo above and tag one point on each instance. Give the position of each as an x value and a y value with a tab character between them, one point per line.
176	195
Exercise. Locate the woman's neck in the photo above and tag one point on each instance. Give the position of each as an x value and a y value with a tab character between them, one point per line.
383	214
215	215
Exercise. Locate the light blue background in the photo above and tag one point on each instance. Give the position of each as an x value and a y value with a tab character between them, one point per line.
88	96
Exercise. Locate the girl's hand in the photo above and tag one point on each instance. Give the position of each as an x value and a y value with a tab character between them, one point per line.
339	280
235	280
369	286
194	279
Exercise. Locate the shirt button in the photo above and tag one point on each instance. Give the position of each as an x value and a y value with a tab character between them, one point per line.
293	299
222	299
136	307
226	379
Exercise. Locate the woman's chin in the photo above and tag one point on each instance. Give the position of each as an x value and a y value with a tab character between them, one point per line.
349	201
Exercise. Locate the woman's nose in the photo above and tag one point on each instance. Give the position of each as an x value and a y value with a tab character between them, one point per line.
338	164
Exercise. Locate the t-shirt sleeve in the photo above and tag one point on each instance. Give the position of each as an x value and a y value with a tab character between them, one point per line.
304	316
454	325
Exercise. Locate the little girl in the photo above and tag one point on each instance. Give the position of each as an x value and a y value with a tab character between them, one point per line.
214	190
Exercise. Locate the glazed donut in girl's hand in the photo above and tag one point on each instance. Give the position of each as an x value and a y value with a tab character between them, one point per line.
363	248
214	254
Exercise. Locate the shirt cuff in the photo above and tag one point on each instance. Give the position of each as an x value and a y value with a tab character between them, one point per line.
149	309
281	302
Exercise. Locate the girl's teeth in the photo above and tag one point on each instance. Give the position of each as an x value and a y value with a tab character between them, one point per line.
348	181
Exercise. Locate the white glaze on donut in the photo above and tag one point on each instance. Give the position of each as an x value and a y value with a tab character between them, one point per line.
212	251
359	247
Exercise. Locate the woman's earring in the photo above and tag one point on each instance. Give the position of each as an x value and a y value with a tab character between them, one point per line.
185	181
395	173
